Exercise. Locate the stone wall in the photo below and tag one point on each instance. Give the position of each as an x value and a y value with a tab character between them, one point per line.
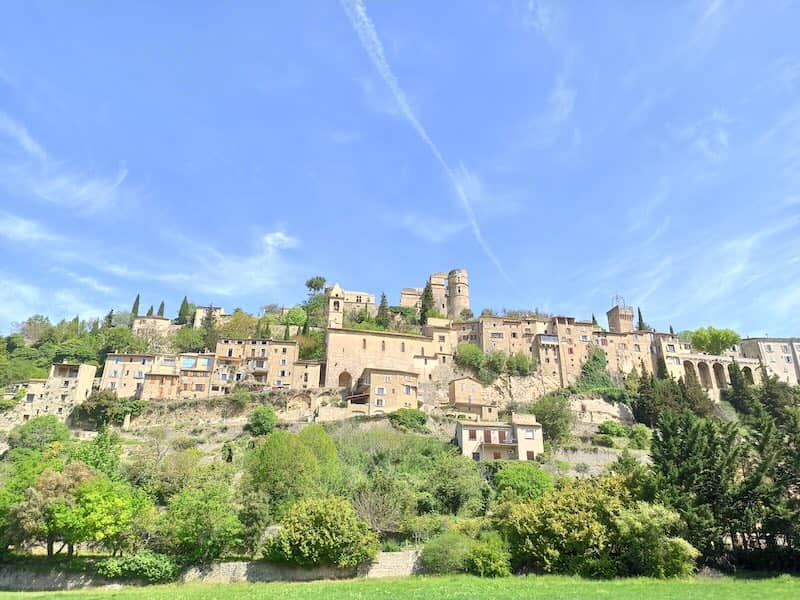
387	564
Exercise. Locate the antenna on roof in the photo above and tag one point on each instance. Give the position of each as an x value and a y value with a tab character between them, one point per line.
618	300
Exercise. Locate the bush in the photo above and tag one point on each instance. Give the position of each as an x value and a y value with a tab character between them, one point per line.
614	428
600	439
38	433
144	565
489	557
449	552
104	406
524	479
261	421
640	437
323	531
555	415
409	419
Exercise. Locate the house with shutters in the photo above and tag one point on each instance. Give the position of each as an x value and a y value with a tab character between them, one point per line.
519	439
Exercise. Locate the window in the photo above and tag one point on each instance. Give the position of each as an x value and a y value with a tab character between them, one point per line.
472	434
283	373
475	455
387	378
788	359
496	455
379	402
785	349
571	350
139	387
530	455
441	338
496	335
502	437
204	362
29	398
637	347
487	436
283	361
230	351
380	391
768	347
402	346
283	350
529	434
584	338
407	390
383	346
144	361
112	385
670	347
198	387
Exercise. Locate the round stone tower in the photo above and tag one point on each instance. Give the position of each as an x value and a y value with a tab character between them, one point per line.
457	292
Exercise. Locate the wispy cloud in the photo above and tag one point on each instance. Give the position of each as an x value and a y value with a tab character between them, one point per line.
84	281
19	229
548	126
357	13
541	16
641	215
27	169
429	228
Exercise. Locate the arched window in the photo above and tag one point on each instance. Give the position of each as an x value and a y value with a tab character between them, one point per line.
336	305
383	346
363	343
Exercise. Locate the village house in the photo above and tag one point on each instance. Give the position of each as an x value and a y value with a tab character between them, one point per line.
520	439
381	391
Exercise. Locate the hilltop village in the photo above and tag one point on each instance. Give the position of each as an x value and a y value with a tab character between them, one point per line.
411	361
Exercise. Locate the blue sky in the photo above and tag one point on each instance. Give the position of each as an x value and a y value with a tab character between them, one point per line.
561	152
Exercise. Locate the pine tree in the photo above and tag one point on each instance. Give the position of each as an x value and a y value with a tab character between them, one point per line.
183	312
594	321
108	321
150	311
135	308
644	405
267	331
427	303
661	368
695	397
161	309
641	326
286	333
384	317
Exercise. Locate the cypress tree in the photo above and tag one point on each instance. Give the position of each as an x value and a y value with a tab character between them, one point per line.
183	312
267	331
305	326
671	331
427	303
383	318
641	326
161	309
209	327
135	308
594	320
150	311
286	333
109	319
661	368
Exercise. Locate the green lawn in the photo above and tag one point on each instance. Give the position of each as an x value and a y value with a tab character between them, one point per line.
468	588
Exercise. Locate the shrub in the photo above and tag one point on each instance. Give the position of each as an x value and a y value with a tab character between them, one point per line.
555	415
409	419
144	565
489	557
183	443
640	437
261	421
614	428
600	439
323	531
38	433
447	553
104	406
524	479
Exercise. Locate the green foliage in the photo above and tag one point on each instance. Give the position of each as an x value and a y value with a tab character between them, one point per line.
323	531
640	324
522	479
102	453
311	346
487	367
645	544
519	364
456	486
135	308
426	303
261	421
144	565
466	315
104	407
384	317
322	447
295	316
605	441
38	433
384	502
559	531
714	341
189	339
409	419
447	553
286	468
639	437
240	325
489	557
614	428
555	416
183	313
199	524
208	327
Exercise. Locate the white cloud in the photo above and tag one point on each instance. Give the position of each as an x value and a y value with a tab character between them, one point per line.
18	229
357	13
429	228
541	16
84	280
26	168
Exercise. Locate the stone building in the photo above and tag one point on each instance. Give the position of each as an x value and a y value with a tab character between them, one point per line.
781	356
341	305
200	314
450	293
67	386
382	391
470	398
156	331
268	363
521	439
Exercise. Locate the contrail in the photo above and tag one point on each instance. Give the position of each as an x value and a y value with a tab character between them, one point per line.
357	13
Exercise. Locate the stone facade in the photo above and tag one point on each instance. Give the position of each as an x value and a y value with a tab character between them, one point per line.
450	293
381	391
780	356
340	305
156	331
521	439
470	398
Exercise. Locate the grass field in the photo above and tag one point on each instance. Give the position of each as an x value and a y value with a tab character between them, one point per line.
462	587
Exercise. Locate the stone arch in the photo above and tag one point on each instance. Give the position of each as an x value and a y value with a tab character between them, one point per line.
705	375
336	305
689	370
345	379
747	372
719	376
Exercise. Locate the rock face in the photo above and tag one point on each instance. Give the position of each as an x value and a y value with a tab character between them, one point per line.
597	410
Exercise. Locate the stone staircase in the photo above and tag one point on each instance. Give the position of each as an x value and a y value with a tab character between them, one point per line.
393	564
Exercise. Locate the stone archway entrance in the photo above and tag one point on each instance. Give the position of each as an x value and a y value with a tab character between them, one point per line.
689	372
748	375
345	379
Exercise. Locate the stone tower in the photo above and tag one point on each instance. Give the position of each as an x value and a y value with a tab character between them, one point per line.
457	292
334	307
438	283
620	317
